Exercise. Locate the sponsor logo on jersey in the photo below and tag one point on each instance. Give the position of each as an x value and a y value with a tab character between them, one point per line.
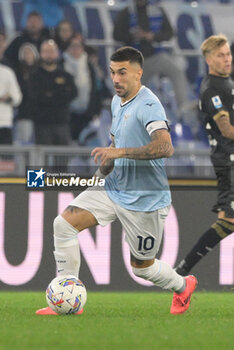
217	102
213	142
150	104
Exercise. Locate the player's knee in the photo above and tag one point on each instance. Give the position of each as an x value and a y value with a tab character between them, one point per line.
56	222
58	225
64	232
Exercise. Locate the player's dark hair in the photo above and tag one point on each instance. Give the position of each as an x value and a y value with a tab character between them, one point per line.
128	53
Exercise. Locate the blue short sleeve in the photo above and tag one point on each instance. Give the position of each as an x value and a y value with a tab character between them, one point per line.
151	110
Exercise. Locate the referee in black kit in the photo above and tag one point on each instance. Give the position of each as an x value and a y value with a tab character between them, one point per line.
217	105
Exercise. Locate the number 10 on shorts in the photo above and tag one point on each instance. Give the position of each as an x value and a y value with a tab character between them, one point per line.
145	243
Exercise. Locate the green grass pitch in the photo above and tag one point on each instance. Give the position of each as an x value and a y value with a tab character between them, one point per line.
119	321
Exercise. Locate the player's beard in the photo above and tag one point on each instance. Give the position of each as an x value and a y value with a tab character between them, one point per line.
49	62
224	73
122	92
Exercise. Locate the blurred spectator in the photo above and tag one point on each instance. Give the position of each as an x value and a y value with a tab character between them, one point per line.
10	97
51	10
102	86
63	35
87	103
51	90
143	25
34	33
3	46
97	133
28	63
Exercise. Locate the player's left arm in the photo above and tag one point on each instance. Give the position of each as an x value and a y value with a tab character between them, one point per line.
222	120
159	147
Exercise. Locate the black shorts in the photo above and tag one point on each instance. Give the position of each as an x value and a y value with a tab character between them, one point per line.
225	200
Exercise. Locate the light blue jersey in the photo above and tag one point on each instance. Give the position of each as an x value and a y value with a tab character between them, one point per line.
139	185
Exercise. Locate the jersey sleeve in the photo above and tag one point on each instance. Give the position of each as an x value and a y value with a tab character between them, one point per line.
212	104
152	111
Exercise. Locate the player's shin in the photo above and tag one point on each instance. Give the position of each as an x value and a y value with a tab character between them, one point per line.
67	251
162	275
218	231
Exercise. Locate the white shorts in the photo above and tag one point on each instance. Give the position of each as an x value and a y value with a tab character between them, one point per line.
143	229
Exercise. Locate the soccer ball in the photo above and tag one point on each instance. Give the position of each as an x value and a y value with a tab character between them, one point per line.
66	294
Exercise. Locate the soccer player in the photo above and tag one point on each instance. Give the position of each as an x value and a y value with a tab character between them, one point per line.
136	187
217	103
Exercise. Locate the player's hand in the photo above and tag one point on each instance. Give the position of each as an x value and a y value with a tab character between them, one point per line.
105	154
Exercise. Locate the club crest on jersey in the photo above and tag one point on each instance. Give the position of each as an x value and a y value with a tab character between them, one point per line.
217	102
127	116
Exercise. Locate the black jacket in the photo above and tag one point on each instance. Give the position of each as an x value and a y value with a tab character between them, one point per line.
123	33
23	73
50	93
12	52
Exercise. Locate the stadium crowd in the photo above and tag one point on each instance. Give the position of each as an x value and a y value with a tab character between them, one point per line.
62	85
63	93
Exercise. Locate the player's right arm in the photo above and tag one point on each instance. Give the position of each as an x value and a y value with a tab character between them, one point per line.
104	170
213	105
222	120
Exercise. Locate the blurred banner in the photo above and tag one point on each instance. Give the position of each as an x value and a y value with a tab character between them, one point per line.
26	242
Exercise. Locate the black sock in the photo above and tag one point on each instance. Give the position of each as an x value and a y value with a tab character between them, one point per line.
206	243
